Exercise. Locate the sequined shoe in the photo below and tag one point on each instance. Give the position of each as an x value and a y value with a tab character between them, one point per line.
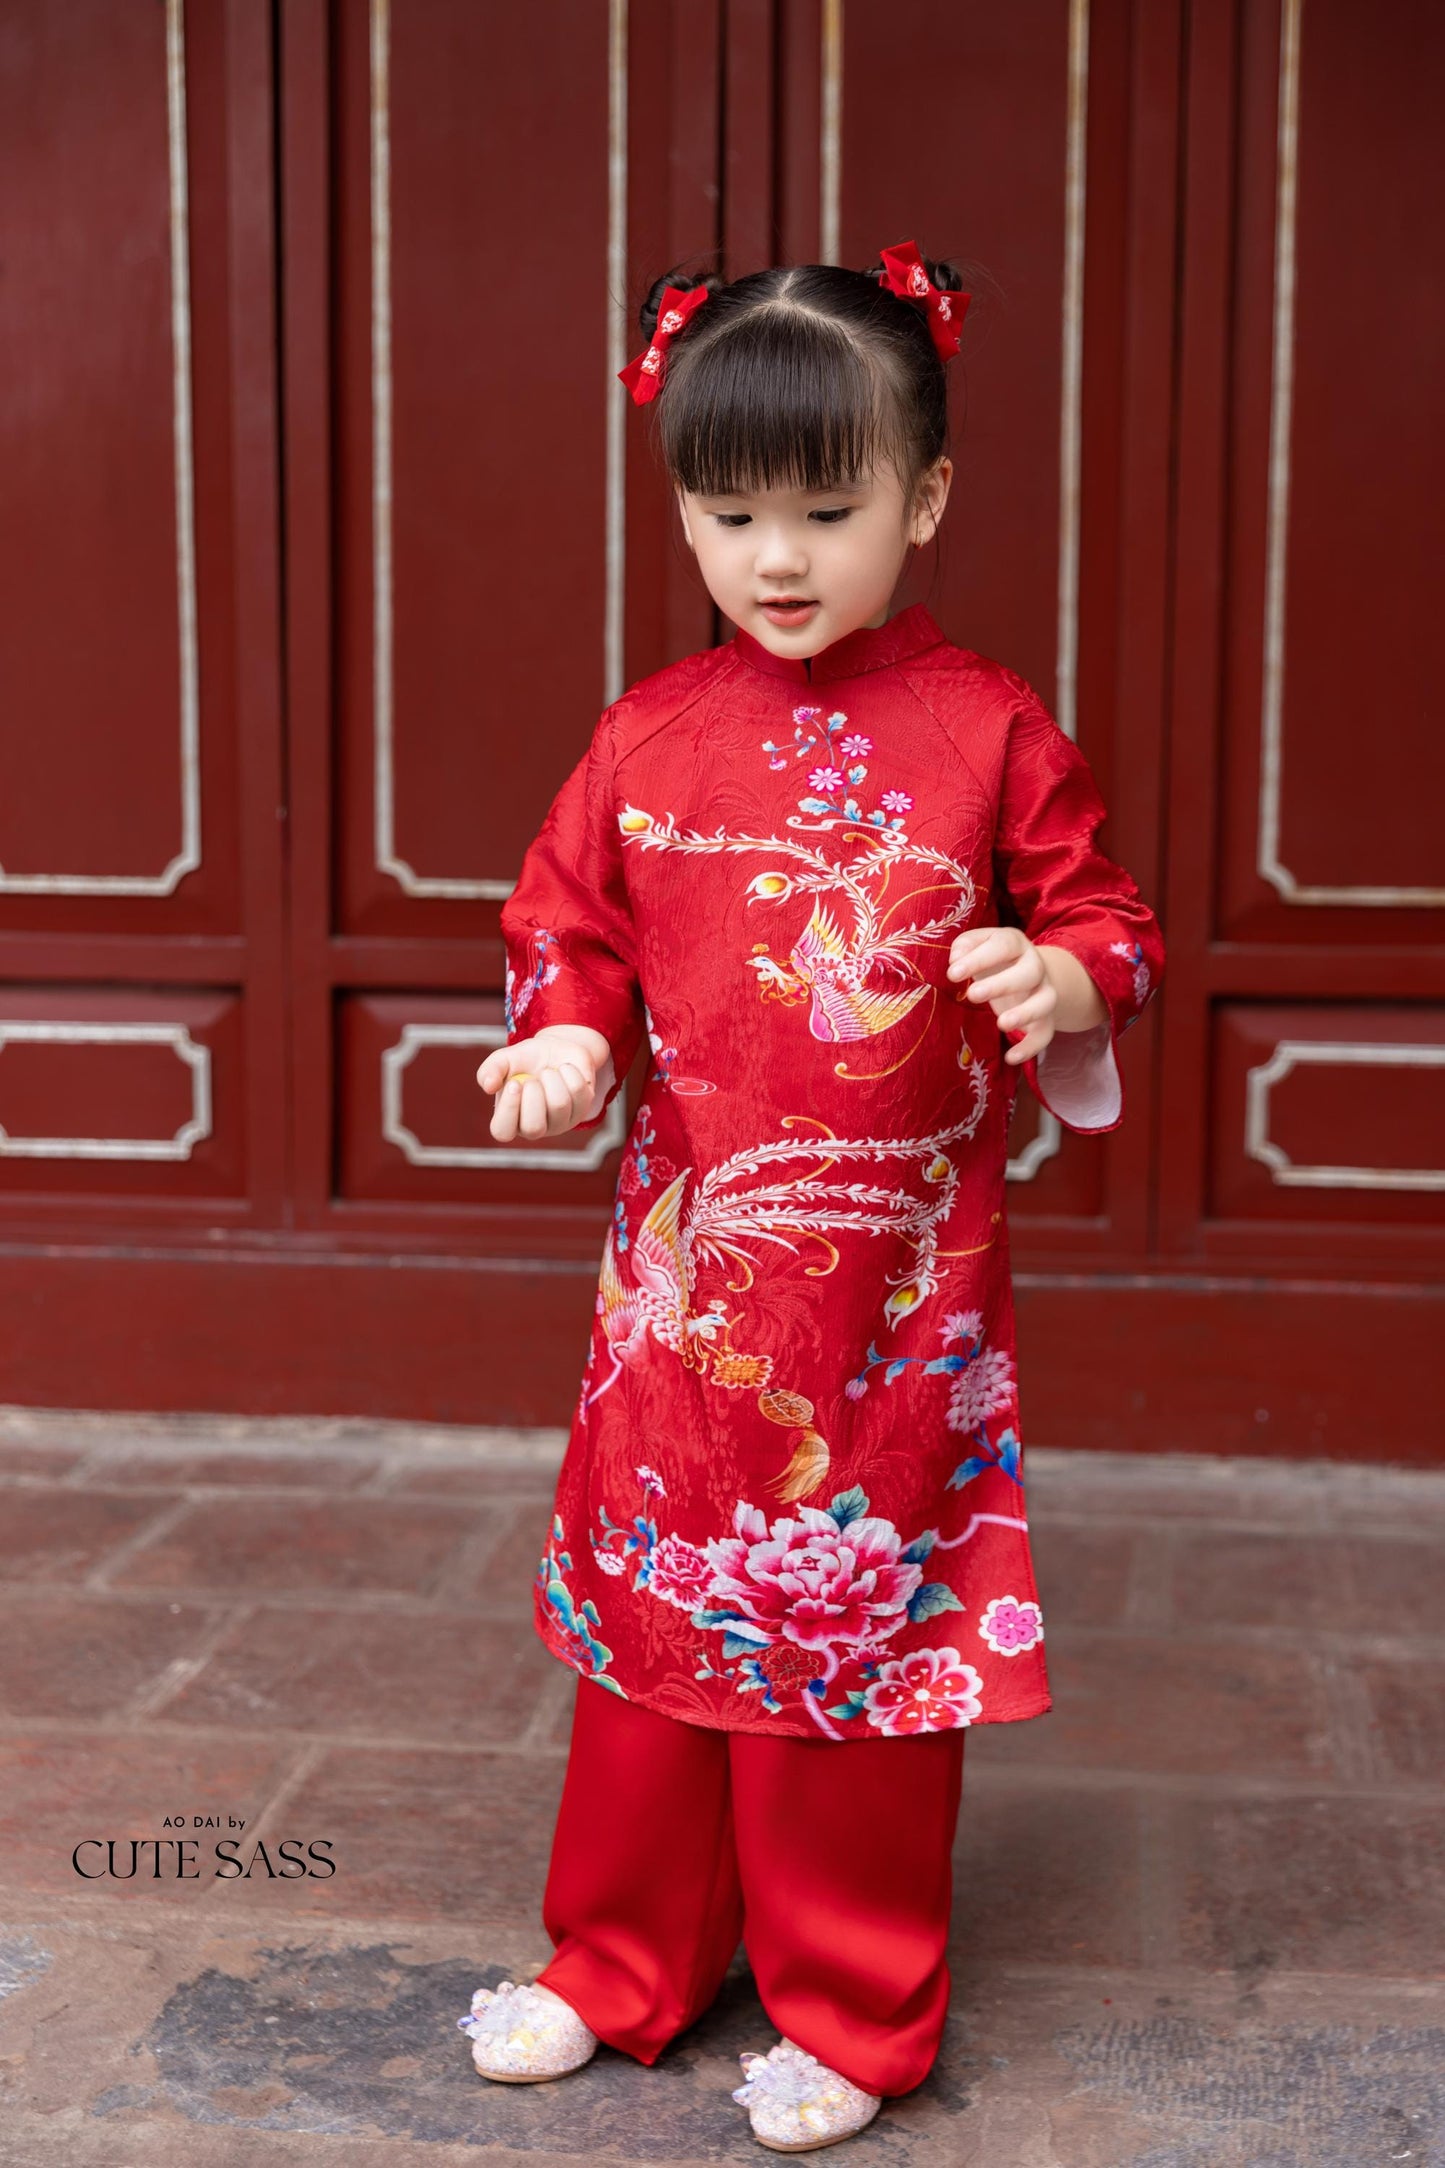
521	2034
796	2103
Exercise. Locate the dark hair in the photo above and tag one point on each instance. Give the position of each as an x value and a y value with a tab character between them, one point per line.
801	377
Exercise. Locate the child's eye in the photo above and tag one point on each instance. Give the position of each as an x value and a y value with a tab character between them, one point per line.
732	519
834	518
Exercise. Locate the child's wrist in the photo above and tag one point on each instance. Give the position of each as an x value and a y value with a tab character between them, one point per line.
1079	1005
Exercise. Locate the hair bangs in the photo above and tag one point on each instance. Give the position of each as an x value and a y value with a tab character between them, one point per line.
783	399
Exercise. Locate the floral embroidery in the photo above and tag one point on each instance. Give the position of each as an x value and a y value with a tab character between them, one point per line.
1134	955
823	1578
927	1690
544	963
651	1481
794	1598
838	772
679	1573
826	779
572	1626
1008	1625
642	1167
619	1544
896	1365
984	1387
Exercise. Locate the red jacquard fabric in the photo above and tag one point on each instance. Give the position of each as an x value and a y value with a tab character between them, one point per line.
792	1501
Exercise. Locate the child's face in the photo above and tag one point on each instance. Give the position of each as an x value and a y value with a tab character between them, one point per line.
834	556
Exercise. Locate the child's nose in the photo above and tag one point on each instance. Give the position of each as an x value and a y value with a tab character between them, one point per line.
781	554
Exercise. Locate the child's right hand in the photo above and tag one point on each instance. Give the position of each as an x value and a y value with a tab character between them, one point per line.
547	1084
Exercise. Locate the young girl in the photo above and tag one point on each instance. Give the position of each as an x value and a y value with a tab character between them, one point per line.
832	869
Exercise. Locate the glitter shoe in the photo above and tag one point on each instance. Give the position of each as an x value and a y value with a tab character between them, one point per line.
525	2033
796	2103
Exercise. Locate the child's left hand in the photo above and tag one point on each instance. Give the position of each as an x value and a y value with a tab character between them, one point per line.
1010	974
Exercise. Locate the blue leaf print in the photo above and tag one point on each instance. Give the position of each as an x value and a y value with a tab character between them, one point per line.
734	1645
856	775
919	1548
1008	1458
815	805
895	1370
966	1472
849	1505
715	1618
928	1601
843	1709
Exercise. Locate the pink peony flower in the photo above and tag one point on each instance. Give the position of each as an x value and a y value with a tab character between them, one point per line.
927	1690
1008	1625
810	1581
985	1388
678	1572
826	778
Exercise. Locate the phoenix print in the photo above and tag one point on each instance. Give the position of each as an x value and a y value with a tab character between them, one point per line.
770	1197
855	962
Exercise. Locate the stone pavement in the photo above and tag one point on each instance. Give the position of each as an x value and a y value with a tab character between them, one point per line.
1200	1917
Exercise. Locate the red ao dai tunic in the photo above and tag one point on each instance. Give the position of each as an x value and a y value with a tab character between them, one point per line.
792	1501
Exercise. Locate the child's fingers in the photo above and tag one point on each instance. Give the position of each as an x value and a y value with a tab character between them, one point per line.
1033	1041
980	950
507	1111
520	1060
580	1088
532	1109
558	1094
1015	978
1031	1011
495	1070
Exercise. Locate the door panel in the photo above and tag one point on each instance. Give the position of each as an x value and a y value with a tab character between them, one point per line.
140	896
1304	1050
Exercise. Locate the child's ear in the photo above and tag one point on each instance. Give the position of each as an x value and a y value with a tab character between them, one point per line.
686	529
932	496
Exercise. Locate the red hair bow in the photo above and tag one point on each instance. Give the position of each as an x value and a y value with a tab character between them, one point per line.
643	376
904	273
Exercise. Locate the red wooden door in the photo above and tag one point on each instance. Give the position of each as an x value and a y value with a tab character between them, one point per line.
142	1045
471	552
1304	1043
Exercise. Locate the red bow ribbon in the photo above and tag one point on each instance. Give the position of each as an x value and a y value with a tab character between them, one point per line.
904	273
643	376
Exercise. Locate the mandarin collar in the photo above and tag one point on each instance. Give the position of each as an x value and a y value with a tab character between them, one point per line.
871	647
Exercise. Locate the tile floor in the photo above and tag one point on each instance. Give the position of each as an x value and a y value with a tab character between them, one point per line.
1200	1916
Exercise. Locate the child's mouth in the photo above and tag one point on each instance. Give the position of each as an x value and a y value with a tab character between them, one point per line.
788	610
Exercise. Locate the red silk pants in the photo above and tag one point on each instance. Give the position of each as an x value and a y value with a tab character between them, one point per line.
832	1860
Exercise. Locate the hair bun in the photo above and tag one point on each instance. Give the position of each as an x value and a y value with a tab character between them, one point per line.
684	281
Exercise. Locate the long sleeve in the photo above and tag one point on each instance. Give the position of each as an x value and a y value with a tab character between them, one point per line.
1069	895
567	925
